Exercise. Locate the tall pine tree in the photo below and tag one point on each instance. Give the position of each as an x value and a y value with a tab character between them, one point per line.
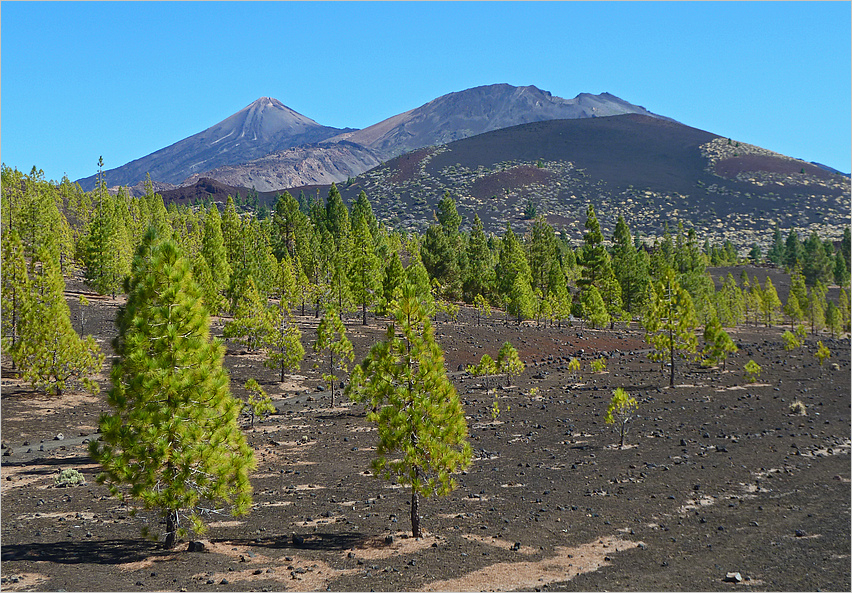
172	439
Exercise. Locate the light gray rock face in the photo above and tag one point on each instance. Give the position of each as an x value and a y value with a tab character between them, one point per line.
264	126
478	110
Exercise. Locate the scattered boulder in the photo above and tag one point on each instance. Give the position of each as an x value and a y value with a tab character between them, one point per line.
195	546
733	577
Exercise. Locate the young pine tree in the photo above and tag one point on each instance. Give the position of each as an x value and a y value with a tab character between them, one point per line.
669	323
509	362
620	411
421	424
172	437
251	322
15	290
365	270
50	353
284	341
331	336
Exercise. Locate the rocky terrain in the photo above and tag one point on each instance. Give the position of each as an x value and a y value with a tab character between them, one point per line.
268	126
724	485
651	171
264	126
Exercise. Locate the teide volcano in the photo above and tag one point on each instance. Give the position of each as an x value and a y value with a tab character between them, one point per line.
265	126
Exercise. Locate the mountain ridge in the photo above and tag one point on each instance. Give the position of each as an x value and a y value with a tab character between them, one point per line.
263	126
267	126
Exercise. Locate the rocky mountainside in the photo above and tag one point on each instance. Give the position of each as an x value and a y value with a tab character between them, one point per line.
482	109
265	126
653	171
301	165
241	149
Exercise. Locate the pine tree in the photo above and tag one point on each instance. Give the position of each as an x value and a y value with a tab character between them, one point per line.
172	436
287	222
284	341
717	343
250	323
259	402
816	264
49	352
231	228
422	431
816	308
793	310
832	319
478	268
793	252
594	308
331	336
523	300
365	267
541	254
769	302
777	251
394	275
843	309
595	260
485	368
512	262
728	302
509	362
629	267
213	250
620	411
669	323
417	276
363	210
107	252
207	286
15	290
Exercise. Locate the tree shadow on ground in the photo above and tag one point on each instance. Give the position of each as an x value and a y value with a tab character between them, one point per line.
116	551
328	542
50	461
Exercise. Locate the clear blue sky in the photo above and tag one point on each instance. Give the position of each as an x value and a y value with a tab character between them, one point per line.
122	80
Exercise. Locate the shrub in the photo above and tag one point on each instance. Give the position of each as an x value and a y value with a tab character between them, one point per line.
822	353
752	370
599	365
621	409
68	478
798	408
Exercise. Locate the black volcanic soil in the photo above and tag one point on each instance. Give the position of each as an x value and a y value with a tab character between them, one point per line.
719	477
729	167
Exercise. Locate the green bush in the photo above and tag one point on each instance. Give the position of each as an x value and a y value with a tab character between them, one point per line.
69	477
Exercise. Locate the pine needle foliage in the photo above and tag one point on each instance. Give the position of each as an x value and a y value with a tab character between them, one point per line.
172	437
669	323
422	430
50	353
331	337
620	411
510	362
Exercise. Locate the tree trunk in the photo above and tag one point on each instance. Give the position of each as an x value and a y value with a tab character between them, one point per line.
171	529
364	311
331	372
415	514
623	427
671	358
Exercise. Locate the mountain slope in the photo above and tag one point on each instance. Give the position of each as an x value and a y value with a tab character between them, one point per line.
297	166
652	171
478	110
262	127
